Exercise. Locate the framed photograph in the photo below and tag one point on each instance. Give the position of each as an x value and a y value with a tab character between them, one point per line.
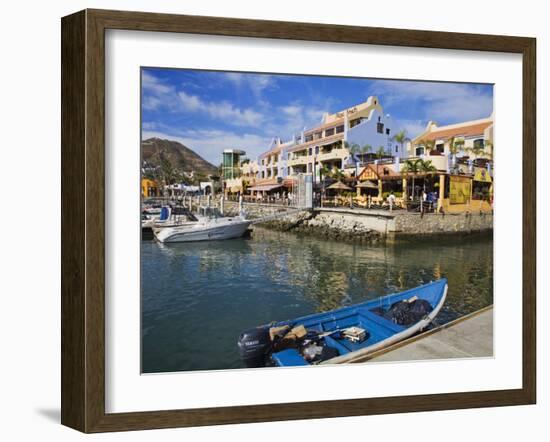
267	221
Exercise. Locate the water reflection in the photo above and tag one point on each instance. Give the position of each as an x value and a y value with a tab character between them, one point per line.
197	297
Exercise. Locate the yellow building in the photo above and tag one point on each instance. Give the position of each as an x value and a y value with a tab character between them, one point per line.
149	188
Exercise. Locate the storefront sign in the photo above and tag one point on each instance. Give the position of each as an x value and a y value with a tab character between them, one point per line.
460	190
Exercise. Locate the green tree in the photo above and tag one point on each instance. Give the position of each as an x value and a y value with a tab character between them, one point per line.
489	149
167	171
400	137
380	152
411	168
337	174
324	171
455	145
427	169
367	148
354	150
428	145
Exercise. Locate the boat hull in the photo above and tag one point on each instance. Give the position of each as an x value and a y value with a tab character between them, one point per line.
210	232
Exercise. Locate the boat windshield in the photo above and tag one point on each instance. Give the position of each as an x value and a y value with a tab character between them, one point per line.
184	212
210	212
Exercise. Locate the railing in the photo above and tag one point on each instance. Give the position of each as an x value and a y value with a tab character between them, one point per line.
335	154
266	199
297	161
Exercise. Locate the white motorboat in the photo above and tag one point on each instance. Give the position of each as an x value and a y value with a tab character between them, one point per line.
205	229
172	217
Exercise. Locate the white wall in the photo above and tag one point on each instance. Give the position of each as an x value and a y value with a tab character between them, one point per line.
367	132
30	251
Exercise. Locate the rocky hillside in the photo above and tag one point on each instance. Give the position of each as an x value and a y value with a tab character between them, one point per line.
180	156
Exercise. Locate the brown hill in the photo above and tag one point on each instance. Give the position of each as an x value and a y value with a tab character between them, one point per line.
180	156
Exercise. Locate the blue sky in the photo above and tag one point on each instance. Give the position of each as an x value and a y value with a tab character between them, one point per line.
211	111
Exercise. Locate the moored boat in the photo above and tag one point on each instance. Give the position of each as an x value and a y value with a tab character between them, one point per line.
345	334
204	230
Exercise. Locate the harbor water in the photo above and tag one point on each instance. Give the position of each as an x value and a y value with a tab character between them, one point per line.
198	297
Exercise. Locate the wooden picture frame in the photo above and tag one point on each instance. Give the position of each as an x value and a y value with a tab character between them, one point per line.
83	220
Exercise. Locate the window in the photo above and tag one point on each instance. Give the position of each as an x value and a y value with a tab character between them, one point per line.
419	151
387	131
309	138
440	147
479	143
354	123
263	174
318	135
310	151
340	129
329	132
396	148
316	150
380	127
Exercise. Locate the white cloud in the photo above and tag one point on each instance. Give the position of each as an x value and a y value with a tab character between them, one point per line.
158	95
449	102
221	110
190	102
292	110
152	84
412	128
257	83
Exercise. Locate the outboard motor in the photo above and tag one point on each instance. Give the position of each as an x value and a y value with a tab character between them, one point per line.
254	346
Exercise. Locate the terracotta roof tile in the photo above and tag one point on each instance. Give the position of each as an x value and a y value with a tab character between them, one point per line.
460	131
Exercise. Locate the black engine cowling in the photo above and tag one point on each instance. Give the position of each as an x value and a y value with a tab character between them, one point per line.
255	346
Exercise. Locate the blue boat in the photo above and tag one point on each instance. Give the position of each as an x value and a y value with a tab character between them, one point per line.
345	334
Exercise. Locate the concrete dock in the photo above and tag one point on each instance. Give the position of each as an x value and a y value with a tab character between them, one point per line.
469	336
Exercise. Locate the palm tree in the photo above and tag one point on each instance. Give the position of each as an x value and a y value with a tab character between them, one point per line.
411	167
490	146
167	170
401	137
354	150
428	145
477	150
324	171
380	152
427	169
455	145
337	174
366	149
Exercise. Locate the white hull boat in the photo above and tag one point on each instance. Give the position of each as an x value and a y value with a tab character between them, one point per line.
204	230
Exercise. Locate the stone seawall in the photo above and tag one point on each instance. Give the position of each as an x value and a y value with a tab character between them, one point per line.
436	223
365	225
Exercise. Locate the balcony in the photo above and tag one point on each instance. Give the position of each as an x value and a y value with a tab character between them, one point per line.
298	161
335	154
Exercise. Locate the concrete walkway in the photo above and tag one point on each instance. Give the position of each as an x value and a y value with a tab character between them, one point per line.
464	338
